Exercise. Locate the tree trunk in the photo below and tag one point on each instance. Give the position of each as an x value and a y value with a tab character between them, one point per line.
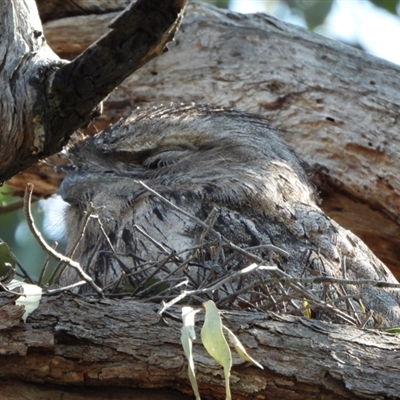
46	99
335	105
71	342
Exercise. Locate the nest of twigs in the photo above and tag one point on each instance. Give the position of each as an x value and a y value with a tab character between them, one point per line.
245	279
233	277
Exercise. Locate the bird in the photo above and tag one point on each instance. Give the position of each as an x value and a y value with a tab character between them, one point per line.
184	197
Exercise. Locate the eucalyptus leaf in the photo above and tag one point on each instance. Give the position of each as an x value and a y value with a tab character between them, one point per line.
215	343
393	330
237	344
187	337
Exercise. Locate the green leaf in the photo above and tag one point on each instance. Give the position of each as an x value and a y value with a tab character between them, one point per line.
7	264
388	5
218	3
236	343
187	337
314	11
215	343
393	330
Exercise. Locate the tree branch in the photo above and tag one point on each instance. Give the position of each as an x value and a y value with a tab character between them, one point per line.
136	36
57	9
69	341
44	100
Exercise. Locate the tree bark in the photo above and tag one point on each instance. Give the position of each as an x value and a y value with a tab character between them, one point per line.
71	342
46	99
335	105
57	9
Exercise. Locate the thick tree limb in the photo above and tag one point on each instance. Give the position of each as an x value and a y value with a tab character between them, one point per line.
69	341
45	101
24	58
14	390
57	9
136	36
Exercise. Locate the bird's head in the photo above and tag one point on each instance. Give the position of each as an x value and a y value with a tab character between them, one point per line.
208	153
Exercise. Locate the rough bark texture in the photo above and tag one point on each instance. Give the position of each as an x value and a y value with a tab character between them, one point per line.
24	57
57	9
337	107
128	345
17	390
46	99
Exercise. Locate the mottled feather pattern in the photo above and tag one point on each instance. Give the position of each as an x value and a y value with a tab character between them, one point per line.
200	158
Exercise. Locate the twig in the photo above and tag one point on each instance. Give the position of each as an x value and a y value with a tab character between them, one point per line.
173	206
211	289
91	209
104	232
155	284
147	236
159	268
61	266
210	222
350	306
175	300
46	264
132	278
327	279
268	246
367	318
51	292
23	270
7	290
47	248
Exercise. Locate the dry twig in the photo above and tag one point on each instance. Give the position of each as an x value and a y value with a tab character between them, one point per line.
48	249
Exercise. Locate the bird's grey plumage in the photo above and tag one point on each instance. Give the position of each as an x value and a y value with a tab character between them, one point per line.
200	158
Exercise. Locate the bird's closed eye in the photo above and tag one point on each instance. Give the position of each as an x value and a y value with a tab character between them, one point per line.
165	157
